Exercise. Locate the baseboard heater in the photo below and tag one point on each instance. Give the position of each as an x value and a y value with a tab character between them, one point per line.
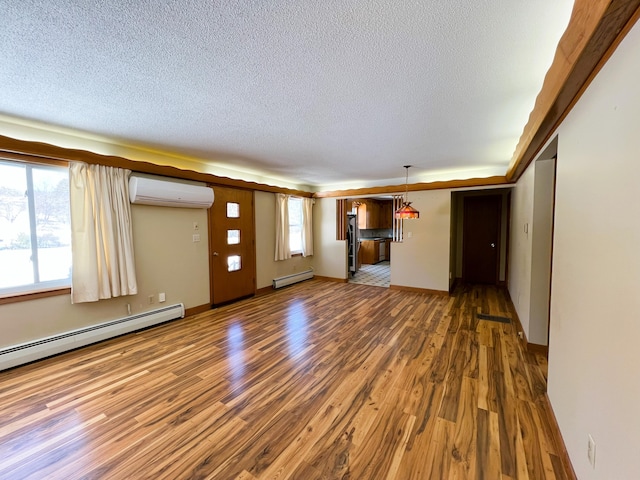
291	279
45	347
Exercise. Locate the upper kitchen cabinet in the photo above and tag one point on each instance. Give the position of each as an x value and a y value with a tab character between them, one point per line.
374	214
368	214
386	214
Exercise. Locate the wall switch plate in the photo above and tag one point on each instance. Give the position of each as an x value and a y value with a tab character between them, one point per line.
196	226
196	237
162	297
591	451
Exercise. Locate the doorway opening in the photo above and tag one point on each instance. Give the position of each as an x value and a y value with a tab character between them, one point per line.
369	234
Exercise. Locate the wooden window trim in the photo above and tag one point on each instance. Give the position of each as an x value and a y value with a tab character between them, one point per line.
26	296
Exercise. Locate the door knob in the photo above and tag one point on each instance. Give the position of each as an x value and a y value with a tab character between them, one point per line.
215	254
493	245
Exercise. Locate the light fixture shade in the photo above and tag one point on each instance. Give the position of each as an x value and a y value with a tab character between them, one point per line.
407	211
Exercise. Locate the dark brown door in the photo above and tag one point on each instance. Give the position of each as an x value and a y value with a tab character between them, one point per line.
480	240
232	245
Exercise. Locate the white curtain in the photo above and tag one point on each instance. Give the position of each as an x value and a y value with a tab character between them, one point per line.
282	227
307	226
101	234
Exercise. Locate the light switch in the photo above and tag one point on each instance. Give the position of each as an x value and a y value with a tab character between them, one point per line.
196	237
196	226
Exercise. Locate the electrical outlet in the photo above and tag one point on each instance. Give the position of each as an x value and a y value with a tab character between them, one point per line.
150	299
162	297
591	451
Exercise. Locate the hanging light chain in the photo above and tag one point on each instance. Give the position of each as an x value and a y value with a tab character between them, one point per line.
406	184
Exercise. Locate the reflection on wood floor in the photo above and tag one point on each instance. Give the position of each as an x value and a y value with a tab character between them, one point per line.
317	380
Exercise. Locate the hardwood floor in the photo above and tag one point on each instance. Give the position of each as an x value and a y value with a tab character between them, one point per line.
320	380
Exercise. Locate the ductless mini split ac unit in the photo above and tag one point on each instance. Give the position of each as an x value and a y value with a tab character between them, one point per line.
148	191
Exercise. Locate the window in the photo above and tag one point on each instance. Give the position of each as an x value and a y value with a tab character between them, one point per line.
233	237
35	231
233	210
234	263
295	225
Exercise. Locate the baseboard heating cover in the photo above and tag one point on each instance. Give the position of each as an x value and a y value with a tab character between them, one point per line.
45	347
294	278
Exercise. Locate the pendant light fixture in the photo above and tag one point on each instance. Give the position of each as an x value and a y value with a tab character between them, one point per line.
407	211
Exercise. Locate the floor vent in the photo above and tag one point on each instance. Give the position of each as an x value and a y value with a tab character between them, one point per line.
45	347
494	318
291	279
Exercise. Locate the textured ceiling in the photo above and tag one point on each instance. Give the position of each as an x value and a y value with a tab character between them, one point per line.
319	92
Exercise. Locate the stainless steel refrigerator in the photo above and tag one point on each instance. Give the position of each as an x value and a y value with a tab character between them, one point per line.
353	240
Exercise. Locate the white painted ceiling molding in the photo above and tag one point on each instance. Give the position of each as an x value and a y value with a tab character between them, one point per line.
330	95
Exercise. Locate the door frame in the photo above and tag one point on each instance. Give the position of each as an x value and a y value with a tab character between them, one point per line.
457	217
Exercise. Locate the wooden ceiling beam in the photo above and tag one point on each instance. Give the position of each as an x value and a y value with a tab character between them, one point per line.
415	187
595	29
16	149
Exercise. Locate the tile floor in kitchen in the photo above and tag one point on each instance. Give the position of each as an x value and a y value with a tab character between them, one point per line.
378	275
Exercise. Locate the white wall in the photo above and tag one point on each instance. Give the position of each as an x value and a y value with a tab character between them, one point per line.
520	250
454	228
594	359
541	251
167	260
422	259
329	254
266	267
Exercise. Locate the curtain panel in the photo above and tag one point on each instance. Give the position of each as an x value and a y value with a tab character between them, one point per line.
307	226
101	233
282	227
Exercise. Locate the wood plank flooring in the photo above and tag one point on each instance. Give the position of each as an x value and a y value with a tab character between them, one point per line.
316	381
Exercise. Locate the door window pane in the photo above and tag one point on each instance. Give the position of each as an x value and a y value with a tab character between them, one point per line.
233	263
233	210
233	237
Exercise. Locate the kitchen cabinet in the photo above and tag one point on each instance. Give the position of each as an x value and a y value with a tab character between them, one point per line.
368	214
374	251
386	214
375	213
370	251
